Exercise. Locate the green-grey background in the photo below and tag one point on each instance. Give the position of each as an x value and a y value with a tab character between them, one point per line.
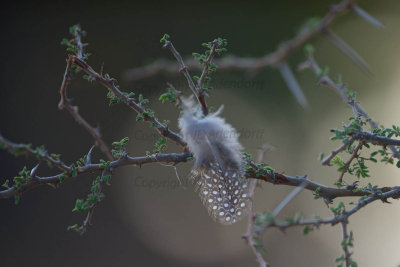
146	219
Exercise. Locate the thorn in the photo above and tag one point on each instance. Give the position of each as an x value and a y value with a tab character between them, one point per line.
292	83
182	69
101	70
348	51
304	65
52	185
33	171
89	156
364	15
352	186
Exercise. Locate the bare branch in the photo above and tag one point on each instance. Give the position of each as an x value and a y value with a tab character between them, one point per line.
274	59
245	63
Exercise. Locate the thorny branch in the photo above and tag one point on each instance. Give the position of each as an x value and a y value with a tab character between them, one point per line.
392	193
252	238
197	90
347	254
88	168
348	162
66	103
324	80
254	170
109	83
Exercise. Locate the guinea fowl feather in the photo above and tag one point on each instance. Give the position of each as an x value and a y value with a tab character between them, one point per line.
217	170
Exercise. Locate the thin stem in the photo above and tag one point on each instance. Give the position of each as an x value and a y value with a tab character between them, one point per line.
183	69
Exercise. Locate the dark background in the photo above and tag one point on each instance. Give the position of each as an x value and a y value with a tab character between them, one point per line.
154	224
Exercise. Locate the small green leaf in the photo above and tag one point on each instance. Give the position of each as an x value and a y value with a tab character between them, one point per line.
72	227
164	38
307	229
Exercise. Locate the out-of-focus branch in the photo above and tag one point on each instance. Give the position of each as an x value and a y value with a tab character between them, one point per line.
250	64
275	59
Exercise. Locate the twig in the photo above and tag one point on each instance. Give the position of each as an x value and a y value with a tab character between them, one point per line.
392	193
207	63
41	155
347	254
66	103
88	168
327	160
89	215
109	83
324	80
183	69
250	234
376	139
354	155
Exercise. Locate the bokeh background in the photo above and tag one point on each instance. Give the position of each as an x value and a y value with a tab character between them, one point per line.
147	219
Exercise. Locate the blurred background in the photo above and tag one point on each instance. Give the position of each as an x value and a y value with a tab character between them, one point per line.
147	219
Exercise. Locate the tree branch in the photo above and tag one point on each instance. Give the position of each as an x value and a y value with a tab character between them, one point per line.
324	80
88	168
109	83
393	193
183	69
66	103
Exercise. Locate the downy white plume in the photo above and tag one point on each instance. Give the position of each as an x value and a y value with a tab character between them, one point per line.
217	169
